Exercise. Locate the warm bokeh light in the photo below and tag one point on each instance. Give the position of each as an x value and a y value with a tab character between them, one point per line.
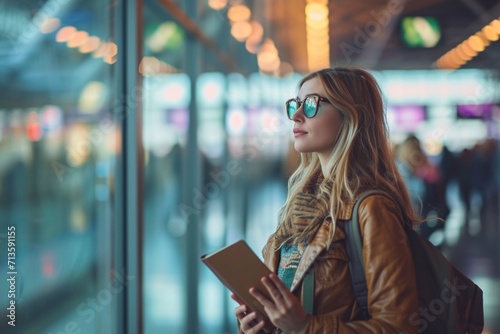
112	49
253	41
92	97
495	24
316	11
77	39
465	47
317	35
110	59
490	33
241	30
90	45
257	31
468	49
217	4
252	46
455	57
239	13
476	43
101	50
107	49
65	33
483	38
318	24
461	54
267	57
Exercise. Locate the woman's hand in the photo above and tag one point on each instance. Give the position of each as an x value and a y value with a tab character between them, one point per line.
248	320
284	309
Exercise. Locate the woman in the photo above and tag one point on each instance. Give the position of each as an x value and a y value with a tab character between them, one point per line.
340	131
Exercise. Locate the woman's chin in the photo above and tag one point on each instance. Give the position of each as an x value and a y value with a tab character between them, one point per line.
301	148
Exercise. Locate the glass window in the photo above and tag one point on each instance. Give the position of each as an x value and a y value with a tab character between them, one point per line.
58	153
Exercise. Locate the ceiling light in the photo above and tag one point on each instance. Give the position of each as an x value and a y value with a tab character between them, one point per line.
267	57
253	41
317	35
108	59
469	48
495	24
252	46
217	4
241	30
77	39
316	11
90	45
475	43
239	13
65	33
461	54
490	33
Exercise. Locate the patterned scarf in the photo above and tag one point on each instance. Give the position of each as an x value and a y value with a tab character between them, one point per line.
310	207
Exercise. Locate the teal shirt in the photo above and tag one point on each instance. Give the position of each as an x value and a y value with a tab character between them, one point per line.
289	260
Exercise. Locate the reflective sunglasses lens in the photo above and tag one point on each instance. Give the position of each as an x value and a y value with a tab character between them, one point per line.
310	105
291	108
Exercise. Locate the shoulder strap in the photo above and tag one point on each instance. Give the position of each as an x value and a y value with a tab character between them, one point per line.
354	247
308	291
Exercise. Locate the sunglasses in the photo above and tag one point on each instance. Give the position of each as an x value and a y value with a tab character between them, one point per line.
311	105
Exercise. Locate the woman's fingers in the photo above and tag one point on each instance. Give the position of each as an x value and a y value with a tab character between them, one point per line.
269	304
282	307
278	292
272	288
241	311
279	285
250	324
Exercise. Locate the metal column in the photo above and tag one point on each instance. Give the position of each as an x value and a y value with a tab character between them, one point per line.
128	27
192	180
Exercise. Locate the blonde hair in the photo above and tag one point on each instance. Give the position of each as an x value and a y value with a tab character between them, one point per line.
361	158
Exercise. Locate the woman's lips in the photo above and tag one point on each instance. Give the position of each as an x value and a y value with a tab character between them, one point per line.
298	133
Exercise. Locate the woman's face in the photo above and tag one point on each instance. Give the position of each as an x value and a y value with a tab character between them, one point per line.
317	134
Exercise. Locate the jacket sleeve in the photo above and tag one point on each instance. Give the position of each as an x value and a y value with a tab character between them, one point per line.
390	275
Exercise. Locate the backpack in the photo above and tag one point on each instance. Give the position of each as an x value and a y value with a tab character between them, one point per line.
450	303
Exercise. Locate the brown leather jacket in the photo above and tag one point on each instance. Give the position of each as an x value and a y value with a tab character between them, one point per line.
390	273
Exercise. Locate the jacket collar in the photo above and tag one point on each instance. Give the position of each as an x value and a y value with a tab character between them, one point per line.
313	249
311	252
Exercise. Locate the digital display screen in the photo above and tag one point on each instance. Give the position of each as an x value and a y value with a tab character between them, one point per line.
475	111
420	31
406	118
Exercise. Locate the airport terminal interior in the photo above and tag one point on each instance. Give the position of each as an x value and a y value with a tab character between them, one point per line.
138	135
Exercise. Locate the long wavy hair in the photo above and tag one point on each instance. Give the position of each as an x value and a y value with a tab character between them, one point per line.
361	159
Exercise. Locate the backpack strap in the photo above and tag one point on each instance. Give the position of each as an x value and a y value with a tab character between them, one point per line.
308	292
354	247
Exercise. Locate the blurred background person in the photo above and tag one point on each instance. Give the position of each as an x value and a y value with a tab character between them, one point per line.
425	184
